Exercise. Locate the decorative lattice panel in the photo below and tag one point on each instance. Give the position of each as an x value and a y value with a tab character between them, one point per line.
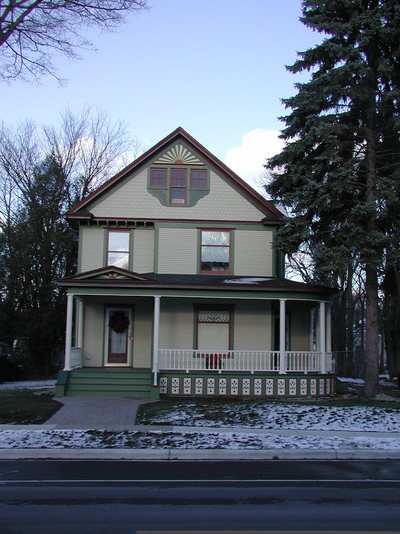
213	316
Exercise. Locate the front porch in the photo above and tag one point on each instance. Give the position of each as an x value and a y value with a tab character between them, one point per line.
261	343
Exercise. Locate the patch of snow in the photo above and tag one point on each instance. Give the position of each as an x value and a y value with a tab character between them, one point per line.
384	397
27	384
358	381
245	281
276	415
74	439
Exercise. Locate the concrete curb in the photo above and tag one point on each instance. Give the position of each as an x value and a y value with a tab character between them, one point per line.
217	455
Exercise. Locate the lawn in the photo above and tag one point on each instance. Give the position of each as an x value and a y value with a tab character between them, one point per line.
26	406
338	414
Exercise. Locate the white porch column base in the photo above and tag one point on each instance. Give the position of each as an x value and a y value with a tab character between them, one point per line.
282	336
156	337
68	333
322	336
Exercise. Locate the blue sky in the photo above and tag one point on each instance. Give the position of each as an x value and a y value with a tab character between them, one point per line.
215	67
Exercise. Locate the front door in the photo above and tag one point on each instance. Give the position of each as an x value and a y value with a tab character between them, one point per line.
119	335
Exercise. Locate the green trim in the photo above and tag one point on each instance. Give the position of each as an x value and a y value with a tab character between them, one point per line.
250	226
198	259
156	241
131	245
80	249
103	359
192	195
274	272
232	254
193	293
105	248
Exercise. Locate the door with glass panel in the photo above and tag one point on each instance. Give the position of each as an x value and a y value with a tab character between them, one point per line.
118	336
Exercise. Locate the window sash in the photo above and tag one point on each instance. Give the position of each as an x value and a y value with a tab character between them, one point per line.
198	179
215	251
158	178
118	249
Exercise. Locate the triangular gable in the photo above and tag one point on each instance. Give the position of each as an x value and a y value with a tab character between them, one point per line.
108	273
161	153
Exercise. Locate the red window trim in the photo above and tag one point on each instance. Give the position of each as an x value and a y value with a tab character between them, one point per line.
229	247
164	185
191	179
171	187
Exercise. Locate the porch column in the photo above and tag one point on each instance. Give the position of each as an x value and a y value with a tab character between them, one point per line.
311	333
68	332
322	335
156	336
329	328
79	337
282	336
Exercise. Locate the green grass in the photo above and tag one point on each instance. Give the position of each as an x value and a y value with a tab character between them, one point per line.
26	407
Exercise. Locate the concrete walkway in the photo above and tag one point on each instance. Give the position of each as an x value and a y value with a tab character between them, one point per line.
107	413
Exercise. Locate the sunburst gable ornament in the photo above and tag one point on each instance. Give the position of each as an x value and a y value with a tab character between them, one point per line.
179	155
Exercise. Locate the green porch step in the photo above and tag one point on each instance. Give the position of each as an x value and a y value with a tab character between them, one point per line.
110	382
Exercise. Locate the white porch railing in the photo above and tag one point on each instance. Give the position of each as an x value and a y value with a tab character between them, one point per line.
241	360
76	357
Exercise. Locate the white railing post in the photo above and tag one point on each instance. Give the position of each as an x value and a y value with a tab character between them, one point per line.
68	333
156	337
322	336
282	336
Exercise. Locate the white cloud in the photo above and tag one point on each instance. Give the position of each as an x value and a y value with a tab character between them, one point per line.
248	159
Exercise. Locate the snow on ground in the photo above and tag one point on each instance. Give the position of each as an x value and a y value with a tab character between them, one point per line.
27	384
95	439
273	415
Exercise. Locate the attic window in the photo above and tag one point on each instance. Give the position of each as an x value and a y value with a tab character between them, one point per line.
158	178
198	179
178	187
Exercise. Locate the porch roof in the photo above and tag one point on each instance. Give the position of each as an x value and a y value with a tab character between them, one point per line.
114	277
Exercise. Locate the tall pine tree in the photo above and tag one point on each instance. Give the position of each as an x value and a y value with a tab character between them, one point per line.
342	133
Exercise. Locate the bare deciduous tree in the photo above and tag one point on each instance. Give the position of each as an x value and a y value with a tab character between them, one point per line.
32	31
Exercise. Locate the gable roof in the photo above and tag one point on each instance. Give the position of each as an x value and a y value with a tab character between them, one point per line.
272	213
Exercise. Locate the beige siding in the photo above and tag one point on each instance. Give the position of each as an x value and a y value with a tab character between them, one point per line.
131	199
143	250
142	334
177	251
92	248
176	325
93	333
299	326
252	326
253	253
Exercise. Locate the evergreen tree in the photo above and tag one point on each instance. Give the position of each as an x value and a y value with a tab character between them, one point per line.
339	169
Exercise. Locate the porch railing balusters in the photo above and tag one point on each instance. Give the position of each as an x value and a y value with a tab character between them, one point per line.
238	360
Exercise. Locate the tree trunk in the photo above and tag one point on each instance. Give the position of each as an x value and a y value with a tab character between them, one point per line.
372	354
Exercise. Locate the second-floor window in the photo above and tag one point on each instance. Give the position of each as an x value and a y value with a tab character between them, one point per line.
118	248
215	251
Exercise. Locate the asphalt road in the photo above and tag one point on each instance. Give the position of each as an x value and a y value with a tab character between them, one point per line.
117	496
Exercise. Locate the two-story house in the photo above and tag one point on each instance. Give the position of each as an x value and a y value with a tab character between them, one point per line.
180	290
